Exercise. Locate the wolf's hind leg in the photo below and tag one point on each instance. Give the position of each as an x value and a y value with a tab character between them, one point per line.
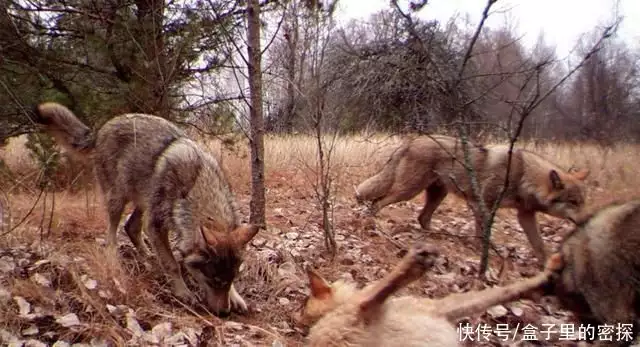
419	259
133	228
434	194
115	207
405	187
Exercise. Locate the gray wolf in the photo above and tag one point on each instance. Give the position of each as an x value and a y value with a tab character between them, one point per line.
175	185
434	164
341	315
599	275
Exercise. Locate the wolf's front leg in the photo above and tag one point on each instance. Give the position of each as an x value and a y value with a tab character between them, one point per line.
237	302
160	240
527	220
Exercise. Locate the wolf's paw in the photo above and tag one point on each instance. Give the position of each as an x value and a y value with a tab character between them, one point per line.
425	224
183	294
370	210
423	255
237	302
143	253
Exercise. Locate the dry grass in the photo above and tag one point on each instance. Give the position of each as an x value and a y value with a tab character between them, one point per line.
612	168
19	171
290	163
351	155
69	264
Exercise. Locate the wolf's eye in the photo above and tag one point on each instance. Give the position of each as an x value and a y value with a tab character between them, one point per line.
572	201
217	282
196	264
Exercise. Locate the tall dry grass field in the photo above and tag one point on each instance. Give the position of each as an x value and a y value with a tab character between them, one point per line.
351	158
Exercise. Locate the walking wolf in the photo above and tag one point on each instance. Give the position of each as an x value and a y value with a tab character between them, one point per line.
433	164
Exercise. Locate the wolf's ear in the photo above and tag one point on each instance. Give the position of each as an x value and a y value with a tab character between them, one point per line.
209	236
556	182
320	289
244	233
580	174
37	116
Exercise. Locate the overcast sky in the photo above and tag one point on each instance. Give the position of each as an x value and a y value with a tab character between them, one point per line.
562	21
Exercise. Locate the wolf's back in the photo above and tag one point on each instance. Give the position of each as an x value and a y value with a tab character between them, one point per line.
415	156
67	130
127	153
124	151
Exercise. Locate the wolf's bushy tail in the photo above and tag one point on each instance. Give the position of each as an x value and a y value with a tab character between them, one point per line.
67	130
379	184
460	305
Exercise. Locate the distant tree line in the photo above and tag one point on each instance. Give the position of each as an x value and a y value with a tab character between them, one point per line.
180	60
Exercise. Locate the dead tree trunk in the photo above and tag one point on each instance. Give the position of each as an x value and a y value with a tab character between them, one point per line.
291	37
256	143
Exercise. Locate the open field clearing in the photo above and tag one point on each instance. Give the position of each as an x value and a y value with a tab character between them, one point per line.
57	285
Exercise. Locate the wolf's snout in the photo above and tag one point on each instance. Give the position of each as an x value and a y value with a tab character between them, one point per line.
223	314
219	303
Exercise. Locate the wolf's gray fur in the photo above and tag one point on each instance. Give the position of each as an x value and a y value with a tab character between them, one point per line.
600	273
150	162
